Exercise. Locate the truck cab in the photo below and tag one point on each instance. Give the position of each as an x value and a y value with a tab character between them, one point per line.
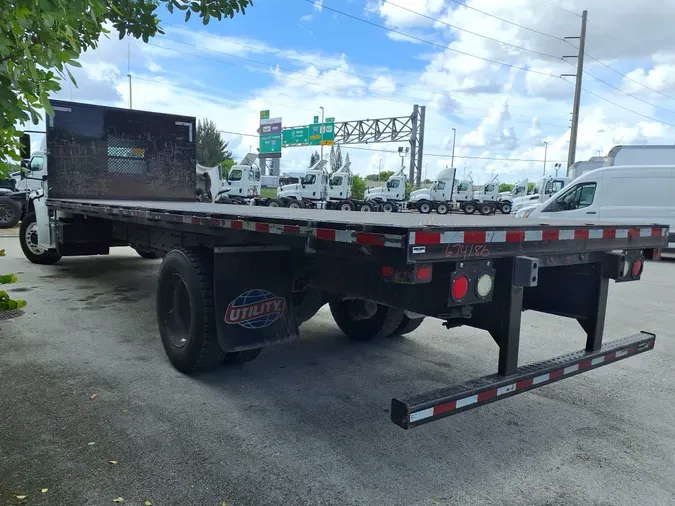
243	180
464	191
340	183
312	186
34	171
519	190
441	190
544	188
393	190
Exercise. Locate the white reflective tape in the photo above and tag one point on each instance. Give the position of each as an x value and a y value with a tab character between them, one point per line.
597	361
540	379
421	415
452	237
621	353
411	238
276	229
419	249
595	233
621	233
496	236
249	225
467	401
572	368
187	219
344	236
534	235
506	389
565	235
646	232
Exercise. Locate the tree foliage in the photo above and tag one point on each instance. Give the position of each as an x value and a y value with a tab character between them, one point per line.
335	158
506	187
7	304
225	167
358	187
40	39
314	159
530	187
211	148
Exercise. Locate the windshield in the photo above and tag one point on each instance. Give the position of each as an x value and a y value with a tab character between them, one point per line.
554	187
438	185
576	197
463	187
489	188
336	181
394	183
309	179
235	175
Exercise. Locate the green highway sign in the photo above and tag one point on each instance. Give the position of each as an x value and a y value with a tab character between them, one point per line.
270	145
330	120
297	135
316	119
265	114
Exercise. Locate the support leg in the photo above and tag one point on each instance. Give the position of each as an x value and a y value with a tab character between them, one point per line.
594	323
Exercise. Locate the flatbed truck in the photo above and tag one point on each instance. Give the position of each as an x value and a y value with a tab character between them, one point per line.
222	295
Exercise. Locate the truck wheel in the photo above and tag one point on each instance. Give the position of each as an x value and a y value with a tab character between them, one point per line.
10	212
424	207
442	208
275	203
346	205
485	209
241	357
148	255
505	208
469	208
407	326
349	316
29	245
388	207
185	312
296	204
366	207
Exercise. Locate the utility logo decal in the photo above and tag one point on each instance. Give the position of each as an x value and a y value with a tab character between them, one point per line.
255	309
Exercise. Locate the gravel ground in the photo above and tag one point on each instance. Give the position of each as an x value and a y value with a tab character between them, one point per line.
308	422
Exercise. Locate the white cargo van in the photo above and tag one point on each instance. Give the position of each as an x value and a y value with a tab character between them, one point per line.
620	194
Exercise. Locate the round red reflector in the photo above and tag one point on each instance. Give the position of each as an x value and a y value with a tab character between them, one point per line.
460	287
637	268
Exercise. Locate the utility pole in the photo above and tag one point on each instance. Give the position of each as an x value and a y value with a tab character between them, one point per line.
454	136
577	90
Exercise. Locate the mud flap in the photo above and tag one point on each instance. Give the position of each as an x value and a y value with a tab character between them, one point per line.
252	295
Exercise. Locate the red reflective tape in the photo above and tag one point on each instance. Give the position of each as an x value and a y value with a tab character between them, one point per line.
196	221
657	232
424	273
262	227
633	232
580	234
325	234
609	233
445	407
632	350
488	394
524	383
515	235
291	229
474	237
427	238
550	235
584	364
371	239
556	374
237	225
610	356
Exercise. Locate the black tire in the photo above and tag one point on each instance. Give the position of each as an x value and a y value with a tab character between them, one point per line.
241	357
148	255
407	326
346	205
366	207
275	203
44	257
424	206
485	209
296	204
185	311
383	323
10	212
442	208
469	208
388	207
505	208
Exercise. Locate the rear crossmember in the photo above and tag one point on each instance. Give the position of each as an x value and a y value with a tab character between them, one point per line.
431	406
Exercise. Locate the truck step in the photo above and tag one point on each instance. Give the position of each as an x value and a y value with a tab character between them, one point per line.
436	404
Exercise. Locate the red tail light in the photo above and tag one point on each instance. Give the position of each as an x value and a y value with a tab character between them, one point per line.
637	267
460	287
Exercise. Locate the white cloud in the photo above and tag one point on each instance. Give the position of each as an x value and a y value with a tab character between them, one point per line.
318	5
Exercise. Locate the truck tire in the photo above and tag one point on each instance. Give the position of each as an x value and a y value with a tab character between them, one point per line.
296	204
384	322
469	208
33	252
10	212
366	207
442	208
388	207
505	208
424	206
185	311
485	209
407	326
275	203
346	205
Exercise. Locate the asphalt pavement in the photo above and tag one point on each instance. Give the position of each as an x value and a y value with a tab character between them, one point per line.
91	410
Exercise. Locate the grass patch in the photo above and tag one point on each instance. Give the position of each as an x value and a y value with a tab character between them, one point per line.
268	193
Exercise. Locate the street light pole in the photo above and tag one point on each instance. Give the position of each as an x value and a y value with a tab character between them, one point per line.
322	126
545	153
454	136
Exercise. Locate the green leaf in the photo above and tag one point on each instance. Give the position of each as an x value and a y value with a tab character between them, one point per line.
188	14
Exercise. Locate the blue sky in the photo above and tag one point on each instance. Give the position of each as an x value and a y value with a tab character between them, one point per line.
291	57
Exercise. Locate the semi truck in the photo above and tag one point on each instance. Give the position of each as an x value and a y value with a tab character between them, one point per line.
541	192
221	297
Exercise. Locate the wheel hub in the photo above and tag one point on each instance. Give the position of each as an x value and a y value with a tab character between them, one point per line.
31	237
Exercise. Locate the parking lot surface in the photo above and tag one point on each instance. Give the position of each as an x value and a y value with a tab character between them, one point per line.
91	410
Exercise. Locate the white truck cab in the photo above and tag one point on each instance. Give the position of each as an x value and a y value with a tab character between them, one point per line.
544	188
393	190
519	190
34	171
243	180
441	192
312	186
340	183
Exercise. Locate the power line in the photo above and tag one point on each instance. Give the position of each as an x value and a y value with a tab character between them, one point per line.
445	48
562	8
472	33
